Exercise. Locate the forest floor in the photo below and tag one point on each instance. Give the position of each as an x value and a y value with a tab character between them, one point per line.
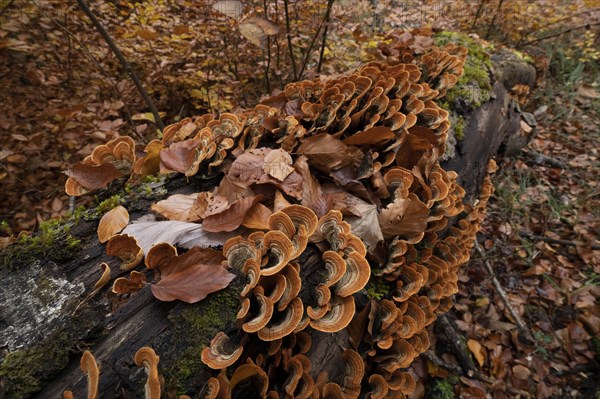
62	93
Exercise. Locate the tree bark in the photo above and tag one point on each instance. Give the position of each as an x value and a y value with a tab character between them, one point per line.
44	329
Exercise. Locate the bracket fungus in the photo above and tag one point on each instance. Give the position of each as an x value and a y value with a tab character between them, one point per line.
149	359
328	190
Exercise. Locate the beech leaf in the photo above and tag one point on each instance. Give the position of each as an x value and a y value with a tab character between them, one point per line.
178	157
326	152
313	195
92	177
366	226
191	282
374	135
404	216
182	207
112	223
183	234
278	163
232	217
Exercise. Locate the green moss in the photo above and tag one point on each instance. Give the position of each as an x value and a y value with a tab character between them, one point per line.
377	288
110	203
26	371
442	388
53	241
474	87
459	127
194	326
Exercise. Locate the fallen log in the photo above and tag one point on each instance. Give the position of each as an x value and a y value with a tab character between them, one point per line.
47	319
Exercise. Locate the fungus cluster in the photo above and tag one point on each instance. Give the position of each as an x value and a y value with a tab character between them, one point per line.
346	170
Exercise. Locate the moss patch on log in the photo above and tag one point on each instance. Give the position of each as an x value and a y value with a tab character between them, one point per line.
474	86
53	242
193	328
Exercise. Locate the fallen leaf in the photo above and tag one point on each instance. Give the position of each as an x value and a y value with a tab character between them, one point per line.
404	216
278	163
178	157
477	351
374	135
92	177
112	223
183	234
313	196
366	226
257	217
194	277
182	207
231	218
326	152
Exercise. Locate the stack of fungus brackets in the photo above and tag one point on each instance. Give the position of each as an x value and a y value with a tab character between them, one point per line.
345	168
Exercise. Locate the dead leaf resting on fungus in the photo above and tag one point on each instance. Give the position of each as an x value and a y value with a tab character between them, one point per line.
183	234
404	216
92	177
231	218
182	207
278	163
258	166
112	223
325	152
192	276
312	193
366	224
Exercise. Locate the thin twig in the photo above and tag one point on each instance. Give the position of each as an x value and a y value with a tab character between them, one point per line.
534	237
324	42
314	39
586	26
518	321
481	4
541	159
268	67
123	62
487	35
6	7
289	39
541	28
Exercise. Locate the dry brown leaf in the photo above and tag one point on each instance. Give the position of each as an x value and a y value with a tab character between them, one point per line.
182	234
477	351
231	218
278	163
374	135
92	177
181	207
112	223
257	217
178	157
257	29
404	216
194	277
313	195
366	224
325	152
280	202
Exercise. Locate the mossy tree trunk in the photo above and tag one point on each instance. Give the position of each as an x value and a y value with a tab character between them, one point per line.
44	327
